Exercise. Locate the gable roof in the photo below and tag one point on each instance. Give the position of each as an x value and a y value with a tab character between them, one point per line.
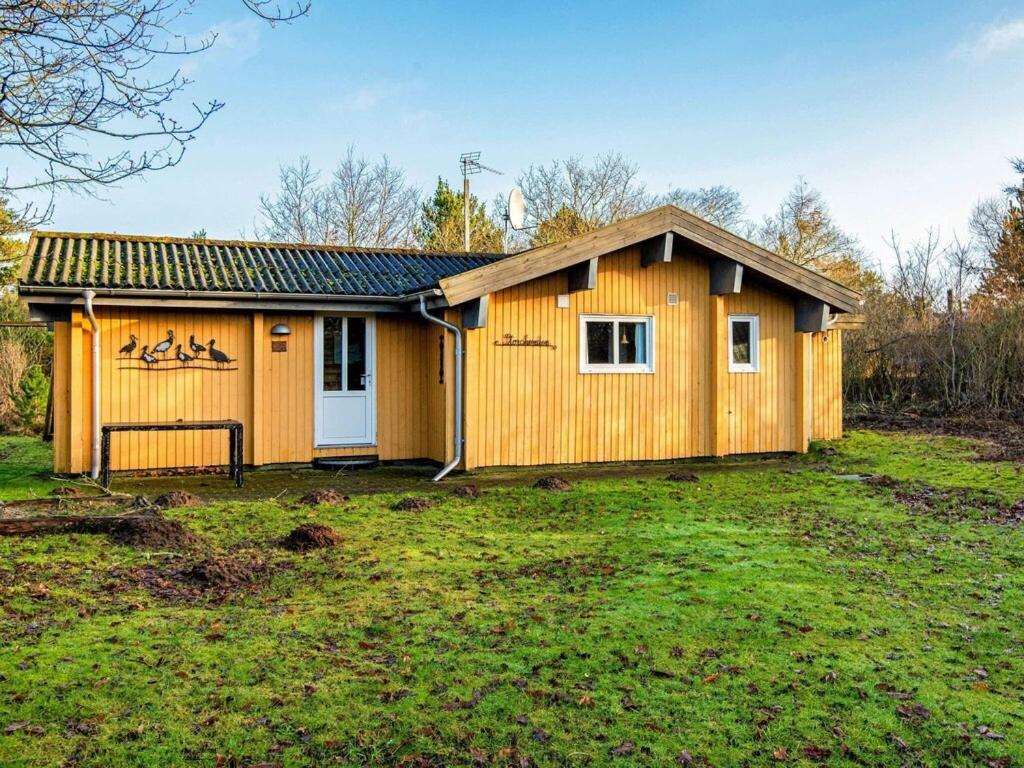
61	262
706	237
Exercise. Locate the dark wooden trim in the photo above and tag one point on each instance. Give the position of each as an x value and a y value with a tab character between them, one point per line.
582	276
474	313
689	229
811	315
726	276
657	250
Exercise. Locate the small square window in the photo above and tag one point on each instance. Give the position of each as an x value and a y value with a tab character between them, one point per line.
744	343
616	344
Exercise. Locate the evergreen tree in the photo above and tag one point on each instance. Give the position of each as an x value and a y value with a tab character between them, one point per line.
1004	278
441	223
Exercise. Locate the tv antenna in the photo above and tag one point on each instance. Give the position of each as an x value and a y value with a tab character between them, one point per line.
470	162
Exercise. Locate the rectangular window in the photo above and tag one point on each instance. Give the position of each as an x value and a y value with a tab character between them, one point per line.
344	356
616	344
744	343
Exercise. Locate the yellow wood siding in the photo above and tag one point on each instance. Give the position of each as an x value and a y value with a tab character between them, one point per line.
271	393
61	396
524	405
761	406
531	405
828	385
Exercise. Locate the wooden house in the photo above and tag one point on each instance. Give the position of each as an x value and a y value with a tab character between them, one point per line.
657	337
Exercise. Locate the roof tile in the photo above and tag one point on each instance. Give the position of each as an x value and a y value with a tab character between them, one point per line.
117	262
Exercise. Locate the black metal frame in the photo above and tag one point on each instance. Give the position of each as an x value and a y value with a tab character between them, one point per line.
236	443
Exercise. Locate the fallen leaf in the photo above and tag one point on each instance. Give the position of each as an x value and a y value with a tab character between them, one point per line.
780	754
985	732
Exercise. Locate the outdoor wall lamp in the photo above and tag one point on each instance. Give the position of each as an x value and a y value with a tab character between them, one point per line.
281	329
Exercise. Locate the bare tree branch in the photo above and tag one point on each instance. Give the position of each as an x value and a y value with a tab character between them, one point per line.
80	93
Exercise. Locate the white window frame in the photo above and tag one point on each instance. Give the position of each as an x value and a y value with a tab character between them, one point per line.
755	345
586	367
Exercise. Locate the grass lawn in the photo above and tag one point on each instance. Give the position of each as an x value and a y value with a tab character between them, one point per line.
771	614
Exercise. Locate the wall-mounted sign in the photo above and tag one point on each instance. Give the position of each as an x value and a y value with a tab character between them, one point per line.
160	358
278	346
508	340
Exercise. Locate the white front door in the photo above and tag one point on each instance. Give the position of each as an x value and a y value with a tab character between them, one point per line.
346	405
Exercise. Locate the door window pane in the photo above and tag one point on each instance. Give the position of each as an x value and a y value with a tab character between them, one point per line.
632	343
600	340
332	354
741	342
356	374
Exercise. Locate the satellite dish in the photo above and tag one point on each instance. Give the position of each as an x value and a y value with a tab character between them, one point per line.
516	208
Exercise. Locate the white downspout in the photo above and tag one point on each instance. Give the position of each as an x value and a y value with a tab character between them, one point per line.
457	332
94	471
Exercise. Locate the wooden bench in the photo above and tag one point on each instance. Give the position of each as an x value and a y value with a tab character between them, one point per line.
235	441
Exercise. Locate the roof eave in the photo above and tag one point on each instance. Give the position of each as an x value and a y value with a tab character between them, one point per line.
534	263
200	296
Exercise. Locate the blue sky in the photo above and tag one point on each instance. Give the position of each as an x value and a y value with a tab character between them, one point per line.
902	114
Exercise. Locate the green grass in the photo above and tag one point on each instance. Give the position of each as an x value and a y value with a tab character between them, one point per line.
25	468
747	619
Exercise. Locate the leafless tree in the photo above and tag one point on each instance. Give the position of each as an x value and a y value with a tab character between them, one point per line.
301	210
364	204
596	194
802	230
87	88
719	204
986	223
373	204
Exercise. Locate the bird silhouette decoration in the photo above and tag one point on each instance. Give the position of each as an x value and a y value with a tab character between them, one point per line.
197	349
145	357
217	355
183	357
164	345
128	348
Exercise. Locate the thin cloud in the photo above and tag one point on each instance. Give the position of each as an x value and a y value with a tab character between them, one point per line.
235	41
993	39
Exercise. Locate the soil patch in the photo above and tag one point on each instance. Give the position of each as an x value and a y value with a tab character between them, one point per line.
552	484
466	491
682	477
225	573
319	496
311	536
68	492
151	532
175	499
216	578
412	504
1004	438
953	504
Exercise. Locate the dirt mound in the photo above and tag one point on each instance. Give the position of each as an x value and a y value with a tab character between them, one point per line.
412	504
68	492
225	573
177	499
216	578
150	532
466	491
322	496
311	536
552	484
682	477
